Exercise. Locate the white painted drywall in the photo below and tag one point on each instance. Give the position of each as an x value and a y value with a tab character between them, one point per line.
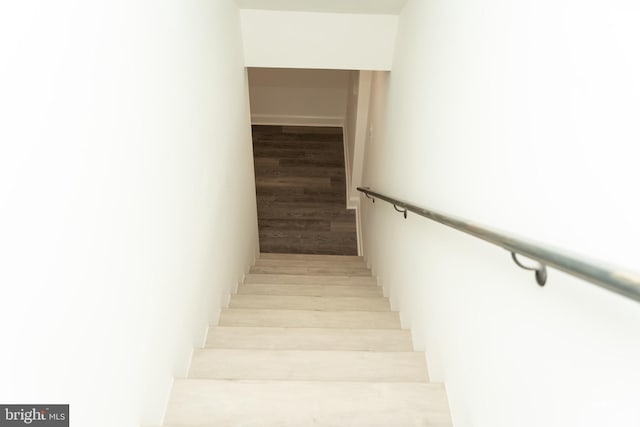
350	126
284	96
128	208
333	6
342	41
361	131
522	116
356	131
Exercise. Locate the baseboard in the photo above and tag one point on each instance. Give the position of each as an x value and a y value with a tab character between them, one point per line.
353	202
286	120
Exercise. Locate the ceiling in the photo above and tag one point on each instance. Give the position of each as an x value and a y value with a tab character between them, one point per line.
378	7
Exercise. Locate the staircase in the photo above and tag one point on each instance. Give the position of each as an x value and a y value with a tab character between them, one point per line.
308	340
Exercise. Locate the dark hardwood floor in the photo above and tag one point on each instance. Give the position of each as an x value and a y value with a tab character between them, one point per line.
300	187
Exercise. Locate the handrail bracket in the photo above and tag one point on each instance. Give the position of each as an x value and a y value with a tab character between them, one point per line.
541	269
402	211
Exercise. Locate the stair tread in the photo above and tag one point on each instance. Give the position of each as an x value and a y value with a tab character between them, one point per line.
311	279
311	257
309	318
309	338
199	402
312	270
296	302
316	365
356	263
308	290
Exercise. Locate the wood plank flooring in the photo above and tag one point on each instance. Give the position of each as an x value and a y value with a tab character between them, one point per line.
300	188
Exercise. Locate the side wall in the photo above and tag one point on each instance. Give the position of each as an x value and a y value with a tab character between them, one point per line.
128	207
522	117
350	126
360	132
298	96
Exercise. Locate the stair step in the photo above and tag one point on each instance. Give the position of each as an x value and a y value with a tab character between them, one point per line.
309	365
309	318
338	269
356	263
309	338
289	302
309	257
208	403
310	290
299	279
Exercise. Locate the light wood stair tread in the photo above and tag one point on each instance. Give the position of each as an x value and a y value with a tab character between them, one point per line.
311	279
309	338
309	365
309	318
312	270
311	257
294	302
309	290
356	263
199	402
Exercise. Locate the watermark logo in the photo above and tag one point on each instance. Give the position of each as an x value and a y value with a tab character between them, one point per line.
34	415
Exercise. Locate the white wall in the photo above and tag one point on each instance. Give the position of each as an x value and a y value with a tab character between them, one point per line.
350	125
318	40
128	209
335	6
298	96
522	117
358	135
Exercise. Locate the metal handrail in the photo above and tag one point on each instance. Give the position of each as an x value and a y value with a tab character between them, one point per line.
612	278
